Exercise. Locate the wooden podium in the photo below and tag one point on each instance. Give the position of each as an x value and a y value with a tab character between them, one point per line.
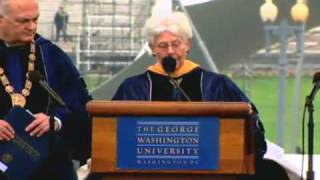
235	140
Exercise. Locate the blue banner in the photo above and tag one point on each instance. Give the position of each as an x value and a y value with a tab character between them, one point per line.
168	143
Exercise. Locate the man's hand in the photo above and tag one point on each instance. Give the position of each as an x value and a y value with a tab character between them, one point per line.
6	131
39	125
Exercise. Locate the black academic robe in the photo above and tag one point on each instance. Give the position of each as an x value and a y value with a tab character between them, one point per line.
199	84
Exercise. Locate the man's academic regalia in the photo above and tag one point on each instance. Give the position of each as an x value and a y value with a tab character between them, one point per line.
57	68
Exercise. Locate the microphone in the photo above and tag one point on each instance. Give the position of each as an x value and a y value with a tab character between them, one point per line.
316	86
36	77
169	65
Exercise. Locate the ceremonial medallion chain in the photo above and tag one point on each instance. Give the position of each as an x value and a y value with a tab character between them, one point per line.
19	99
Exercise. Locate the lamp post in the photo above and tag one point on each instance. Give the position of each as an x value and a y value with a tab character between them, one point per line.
299	14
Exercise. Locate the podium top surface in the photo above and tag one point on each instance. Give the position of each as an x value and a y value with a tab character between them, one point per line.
143	108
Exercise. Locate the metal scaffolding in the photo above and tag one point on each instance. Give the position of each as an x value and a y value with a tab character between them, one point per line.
110	35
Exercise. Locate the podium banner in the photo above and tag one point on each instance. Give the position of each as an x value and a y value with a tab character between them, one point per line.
168	143
22	155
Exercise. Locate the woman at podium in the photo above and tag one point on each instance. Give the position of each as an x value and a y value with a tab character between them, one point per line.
174	77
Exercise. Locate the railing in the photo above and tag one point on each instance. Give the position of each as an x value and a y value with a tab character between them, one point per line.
47	30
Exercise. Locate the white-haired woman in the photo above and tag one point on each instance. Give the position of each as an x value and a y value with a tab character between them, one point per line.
169	38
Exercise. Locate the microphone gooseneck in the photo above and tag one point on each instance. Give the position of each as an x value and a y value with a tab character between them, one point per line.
309	105
169	65
37	77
